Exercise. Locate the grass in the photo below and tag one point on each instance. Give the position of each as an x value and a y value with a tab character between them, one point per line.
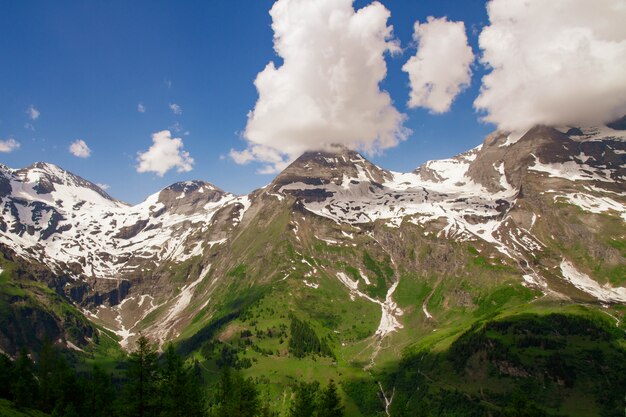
382	275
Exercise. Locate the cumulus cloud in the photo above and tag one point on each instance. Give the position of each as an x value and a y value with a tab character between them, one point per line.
175	108
141	108
165	153
80	149
32	112
9	145
440	69
554	62
327	89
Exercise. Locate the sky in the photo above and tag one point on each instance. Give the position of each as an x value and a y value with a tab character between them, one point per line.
138	95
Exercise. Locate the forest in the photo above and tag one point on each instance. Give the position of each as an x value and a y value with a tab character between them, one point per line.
150	384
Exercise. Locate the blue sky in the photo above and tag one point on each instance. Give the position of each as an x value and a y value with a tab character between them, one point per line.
86	65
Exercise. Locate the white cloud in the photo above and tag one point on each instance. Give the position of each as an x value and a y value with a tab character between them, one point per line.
327	89
241	157
9	145
80	149
175	108
103	186
32	112
164	154
141	108
440	69
29	126
554	62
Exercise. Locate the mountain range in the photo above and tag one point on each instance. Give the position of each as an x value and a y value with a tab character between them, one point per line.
380	264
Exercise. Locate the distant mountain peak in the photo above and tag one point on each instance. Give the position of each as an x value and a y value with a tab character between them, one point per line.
186	197
335	164
45	178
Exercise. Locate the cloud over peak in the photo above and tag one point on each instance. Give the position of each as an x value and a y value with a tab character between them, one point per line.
165	154
554	62
327	89
440	69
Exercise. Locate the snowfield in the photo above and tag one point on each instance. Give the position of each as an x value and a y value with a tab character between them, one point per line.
77	223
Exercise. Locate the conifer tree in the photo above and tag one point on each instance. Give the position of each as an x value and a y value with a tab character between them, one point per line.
235	396
140	394
100	394
179	388
305	400
58	384
48	390
25	385
330	403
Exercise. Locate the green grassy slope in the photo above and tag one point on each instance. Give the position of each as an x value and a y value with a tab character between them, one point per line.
31	312
466	287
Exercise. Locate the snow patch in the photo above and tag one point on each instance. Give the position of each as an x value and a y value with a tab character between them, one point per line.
572	171
345	280
388	321
365	278
311	284
584	283
594	204
597	133
73	346
513	138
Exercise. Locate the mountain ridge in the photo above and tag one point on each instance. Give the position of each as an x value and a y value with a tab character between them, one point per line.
125	265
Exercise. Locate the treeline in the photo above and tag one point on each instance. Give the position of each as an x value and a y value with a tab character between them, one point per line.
304	341
150	385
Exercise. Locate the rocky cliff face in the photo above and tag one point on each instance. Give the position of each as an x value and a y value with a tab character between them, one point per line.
546	208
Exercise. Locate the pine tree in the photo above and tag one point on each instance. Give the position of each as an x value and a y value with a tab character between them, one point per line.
48	391
100	394
330	403
266	407
25	385
235	396
305	400
140	394
179	388
58	385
